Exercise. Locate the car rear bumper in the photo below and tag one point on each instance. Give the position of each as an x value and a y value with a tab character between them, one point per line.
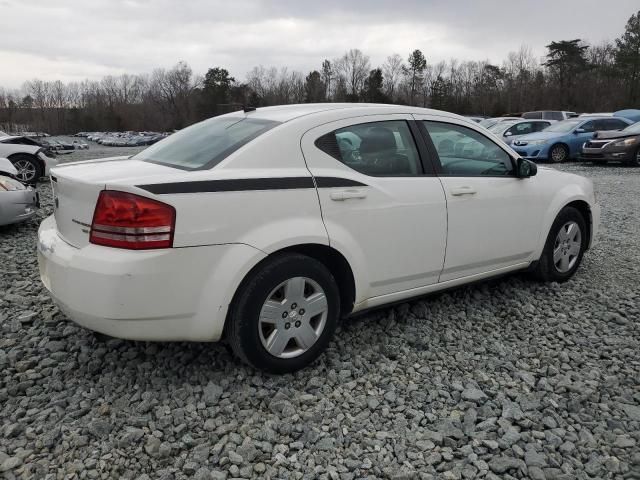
18	206
165	295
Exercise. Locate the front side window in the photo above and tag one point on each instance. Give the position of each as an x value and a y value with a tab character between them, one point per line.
589	126
521	128
539	126
207	143
466	152
377	149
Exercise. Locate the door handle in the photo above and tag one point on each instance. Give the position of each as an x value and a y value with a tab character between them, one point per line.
465	190
343	195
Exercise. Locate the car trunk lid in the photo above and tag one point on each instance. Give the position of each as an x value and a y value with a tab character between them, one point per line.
76	188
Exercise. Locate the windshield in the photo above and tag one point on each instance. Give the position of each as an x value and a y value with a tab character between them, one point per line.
565	126
633	128
205	144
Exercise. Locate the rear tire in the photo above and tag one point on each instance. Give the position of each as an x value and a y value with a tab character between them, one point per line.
284	315
29	169
564	248
558	153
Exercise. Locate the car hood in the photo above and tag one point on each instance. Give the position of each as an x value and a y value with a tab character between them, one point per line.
614	134
540	136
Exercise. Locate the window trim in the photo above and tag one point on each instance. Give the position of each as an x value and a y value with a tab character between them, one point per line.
425	165
438	164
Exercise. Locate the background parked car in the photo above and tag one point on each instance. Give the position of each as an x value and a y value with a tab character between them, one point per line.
563	140
17	201
512	130
489	122
557	115
618	146
31	161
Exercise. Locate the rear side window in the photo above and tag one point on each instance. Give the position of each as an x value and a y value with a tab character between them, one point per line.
532	115
614	124
205	144
538	126
377	149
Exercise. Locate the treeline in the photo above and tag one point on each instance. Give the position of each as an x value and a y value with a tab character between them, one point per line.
572	76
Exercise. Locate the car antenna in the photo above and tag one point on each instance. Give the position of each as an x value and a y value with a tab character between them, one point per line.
247	109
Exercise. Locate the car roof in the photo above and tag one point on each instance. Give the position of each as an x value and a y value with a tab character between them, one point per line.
286	113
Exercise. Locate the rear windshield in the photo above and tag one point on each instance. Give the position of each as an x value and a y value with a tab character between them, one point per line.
634	128
205	144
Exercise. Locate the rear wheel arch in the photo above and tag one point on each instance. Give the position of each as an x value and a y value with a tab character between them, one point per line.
331	258
563	145
14	157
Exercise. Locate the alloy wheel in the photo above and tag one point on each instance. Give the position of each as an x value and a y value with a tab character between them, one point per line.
566	248
293	317
558	154
26	170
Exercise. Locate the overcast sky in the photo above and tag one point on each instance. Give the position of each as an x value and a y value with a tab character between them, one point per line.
78	39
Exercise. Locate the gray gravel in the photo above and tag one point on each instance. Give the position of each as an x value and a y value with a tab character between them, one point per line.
506	379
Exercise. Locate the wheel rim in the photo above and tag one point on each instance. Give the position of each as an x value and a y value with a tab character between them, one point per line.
557	154
567	247
293	317
26	170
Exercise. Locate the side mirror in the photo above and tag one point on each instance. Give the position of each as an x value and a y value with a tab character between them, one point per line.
579	130
525	168
508	134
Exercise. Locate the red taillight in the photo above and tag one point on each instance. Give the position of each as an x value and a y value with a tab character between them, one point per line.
125	220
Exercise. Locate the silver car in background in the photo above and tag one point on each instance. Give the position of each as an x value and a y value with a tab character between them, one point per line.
18	202
513	129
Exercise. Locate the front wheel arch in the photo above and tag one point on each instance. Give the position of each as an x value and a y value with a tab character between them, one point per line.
34	158
559	144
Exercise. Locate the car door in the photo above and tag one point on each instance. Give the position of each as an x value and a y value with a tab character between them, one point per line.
381	202
493	217
579	136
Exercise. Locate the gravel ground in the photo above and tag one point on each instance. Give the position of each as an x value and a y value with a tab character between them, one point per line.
506	379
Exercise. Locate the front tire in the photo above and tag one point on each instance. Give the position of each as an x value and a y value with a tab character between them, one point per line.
635	160
29	170
564	248
558	153
284	315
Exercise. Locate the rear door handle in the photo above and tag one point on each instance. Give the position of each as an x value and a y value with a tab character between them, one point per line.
466	190
343	195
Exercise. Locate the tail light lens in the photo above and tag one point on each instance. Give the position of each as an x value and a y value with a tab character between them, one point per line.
125	220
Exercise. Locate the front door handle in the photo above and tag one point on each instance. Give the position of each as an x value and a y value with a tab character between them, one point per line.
343	195
465	190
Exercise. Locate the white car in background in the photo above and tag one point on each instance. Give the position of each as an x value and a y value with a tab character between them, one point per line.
18	202
264	227
30	161
512	130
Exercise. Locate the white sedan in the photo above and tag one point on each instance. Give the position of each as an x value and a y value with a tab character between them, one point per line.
266	226
31	161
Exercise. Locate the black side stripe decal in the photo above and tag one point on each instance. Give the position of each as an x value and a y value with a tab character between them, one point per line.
248	184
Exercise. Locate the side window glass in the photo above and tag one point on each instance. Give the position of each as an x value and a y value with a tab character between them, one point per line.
466	152
588	126
523	128
614	124
378	149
